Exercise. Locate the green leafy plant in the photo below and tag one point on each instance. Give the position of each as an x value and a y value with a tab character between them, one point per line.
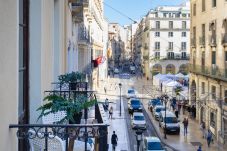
72	77
178	90
55	103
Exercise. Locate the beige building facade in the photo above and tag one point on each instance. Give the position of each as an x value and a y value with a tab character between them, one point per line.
208	64
35	46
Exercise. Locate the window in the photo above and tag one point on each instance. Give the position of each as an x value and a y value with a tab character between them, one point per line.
164	15
183	45
225	99
184	15
157	45
194	9
157	34
170	15
225	56
213	92
203	30
212	119
170	46
214	3
183	34
156	14
171	24
170	55
184	24
183	55
157	54
157	24
170	34
203	88
213	57
203	60
203	5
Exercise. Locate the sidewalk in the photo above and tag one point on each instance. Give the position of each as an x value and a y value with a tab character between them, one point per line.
118	123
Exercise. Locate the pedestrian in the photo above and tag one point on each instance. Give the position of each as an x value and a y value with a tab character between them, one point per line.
203	129
199	149
209	137
176	112
111	112
185	122
114	140
105	90
161	87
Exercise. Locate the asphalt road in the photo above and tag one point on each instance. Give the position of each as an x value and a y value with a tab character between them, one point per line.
132	135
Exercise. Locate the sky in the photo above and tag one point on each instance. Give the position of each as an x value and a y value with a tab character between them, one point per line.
134	9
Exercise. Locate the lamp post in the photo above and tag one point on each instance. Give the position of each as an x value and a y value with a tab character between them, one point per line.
120	85
165	98
138	138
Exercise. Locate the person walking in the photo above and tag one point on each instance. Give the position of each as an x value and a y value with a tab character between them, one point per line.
111	112
199	149
209	137
114	140
185	122
203	128
176	112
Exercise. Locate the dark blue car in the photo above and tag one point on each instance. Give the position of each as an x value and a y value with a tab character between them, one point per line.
134	105
153	102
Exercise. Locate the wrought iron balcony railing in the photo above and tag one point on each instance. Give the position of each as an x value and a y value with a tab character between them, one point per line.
212	40
202	41
83	36
46	133
212	72
224	39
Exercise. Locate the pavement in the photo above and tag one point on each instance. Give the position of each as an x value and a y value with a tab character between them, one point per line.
117	123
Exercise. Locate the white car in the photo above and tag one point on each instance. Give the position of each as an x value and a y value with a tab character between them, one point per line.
152	144
157	110
131	93
138	121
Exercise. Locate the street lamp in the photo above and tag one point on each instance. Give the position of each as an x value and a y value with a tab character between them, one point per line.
165	99
138	138
120	85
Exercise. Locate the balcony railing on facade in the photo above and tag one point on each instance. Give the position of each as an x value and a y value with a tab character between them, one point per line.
212	72
193	42
81	2
169	49
177	57
83	36
212	40
224	39
202	41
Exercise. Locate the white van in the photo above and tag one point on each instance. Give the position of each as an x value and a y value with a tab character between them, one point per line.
157	110
172	123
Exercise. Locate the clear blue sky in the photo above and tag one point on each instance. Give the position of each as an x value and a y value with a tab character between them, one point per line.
135	9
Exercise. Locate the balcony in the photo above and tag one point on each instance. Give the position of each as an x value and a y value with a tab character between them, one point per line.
83	36
212	40
212	72
193	42
177	57
224	40
169	49
202	41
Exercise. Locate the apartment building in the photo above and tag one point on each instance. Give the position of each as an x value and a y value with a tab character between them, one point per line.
208	78
164	33
118	38
90	26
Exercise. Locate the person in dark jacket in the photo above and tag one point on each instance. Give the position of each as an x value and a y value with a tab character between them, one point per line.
114	140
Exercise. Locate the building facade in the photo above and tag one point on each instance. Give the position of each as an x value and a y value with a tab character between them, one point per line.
164	33
208	80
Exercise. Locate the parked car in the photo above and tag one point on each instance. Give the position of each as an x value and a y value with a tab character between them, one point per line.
172	123
157	110
116	71
131	93
138	121
152	103
152	144
132	69
134	105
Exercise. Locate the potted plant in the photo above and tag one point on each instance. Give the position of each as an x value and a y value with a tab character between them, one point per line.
178	90
73	107
71	79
